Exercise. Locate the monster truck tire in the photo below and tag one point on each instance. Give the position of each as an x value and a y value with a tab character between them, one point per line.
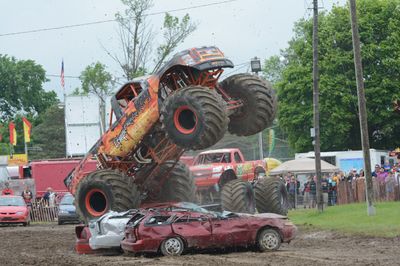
194	117
259	104
105	190
238	196
180	184
271	196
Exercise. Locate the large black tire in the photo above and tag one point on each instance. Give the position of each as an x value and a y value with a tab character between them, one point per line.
105	190
180	184
259	103
271	196
238	196
194	117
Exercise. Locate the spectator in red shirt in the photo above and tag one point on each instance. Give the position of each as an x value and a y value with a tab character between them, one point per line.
7	190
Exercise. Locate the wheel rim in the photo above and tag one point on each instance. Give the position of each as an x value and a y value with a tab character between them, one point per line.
173	246
96	202
185	120
270	241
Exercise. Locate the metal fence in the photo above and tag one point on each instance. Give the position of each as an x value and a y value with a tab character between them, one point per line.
40	211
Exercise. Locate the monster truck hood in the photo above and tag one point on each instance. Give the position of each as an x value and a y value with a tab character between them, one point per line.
201	58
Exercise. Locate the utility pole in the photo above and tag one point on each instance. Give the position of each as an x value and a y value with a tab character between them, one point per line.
317	143
362	108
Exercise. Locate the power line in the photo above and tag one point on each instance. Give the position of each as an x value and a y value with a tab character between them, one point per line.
112	20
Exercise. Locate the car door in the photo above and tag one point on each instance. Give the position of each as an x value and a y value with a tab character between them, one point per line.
194	228
231	231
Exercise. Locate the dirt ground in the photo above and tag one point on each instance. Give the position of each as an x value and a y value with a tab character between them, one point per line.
53	245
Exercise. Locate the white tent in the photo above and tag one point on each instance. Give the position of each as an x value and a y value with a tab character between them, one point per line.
302	166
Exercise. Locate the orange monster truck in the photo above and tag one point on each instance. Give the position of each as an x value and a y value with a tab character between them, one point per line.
181	107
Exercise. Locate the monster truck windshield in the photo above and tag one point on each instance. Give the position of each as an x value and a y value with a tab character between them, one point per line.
210	158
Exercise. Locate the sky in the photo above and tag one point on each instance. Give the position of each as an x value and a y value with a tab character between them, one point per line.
242	29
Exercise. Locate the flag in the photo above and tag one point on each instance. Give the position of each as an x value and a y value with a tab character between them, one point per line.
62	75
27	129
271	141
13	134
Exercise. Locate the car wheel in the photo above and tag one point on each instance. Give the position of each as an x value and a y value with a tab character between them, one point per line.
269	240
172	246
60	222
24	224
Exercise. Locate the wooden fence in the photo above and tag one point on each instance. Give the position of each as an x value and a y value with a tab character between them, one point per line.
350	192
41	212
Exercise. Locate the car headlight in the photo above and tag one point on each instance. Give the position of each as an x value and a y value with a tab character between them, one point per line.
19	213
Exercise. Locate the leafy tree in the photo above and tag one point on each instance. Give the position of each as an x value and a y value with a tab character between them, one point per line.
95	79
49	135
273	68
379	23
21	88
137	38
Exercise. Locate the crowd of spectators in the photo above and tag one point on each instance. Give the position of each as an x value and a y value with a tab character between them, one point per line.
385	180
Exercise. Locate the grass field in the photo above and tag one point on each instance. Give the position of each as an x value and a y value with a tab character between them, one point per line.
353	219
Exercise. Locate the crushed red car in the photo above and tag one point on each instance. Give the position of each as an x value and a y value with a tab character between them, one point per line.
13	210
175	228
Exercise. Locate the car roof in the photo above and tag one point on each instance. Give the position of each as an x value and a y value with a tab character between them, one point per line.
216	151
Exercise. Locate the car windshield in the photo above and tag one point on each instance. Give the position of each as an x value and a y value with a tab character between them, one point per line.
208	158
11	201
67	200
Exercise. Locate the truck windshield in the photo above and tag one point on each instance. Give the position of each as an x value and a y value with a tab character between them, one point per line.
208	158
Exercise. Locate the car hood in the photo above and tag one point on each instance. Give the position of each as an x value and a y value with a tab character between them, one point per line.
12	209
263	215
67	208
108	230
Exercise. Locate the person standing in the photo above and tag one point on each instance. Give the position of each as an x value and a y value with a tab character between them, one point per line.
27	195
313	192
325	191
306	192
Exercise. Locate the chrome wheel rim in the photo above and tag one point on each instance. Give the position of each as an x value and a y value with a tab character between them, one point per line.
270	241
173	246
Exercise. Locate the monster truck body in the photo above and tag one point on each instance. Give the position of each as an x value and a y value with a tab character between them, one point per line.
181	107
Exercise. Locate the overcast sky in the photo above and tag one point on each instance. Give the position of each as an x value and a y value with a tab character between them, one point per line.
241	29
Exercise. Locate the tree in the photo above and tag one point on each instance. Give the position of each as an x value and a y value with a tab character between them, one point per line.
380	32
273	68
21	88
49	135
137	38
95	79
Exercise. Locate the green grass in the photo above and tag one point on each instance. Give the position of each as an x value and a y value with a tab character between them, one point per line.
353	219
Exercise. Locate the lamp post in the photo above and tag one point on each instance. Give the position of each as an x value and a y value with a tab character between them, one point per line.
255	64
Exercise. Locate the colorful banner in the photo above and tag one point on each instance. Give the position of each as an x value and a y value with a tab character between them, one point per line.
13	134
27	129
18	159
271	141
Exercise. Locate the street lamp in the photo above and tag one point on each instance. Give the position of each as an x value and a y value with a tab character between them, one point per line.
255	64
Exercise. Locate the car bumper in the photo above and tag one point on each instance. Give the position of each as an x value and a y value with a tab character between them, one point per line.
68	218
13	219
137	246
289	232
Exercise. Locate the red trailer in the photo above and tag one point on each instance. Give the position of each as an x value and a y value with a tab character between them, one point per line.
51	173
